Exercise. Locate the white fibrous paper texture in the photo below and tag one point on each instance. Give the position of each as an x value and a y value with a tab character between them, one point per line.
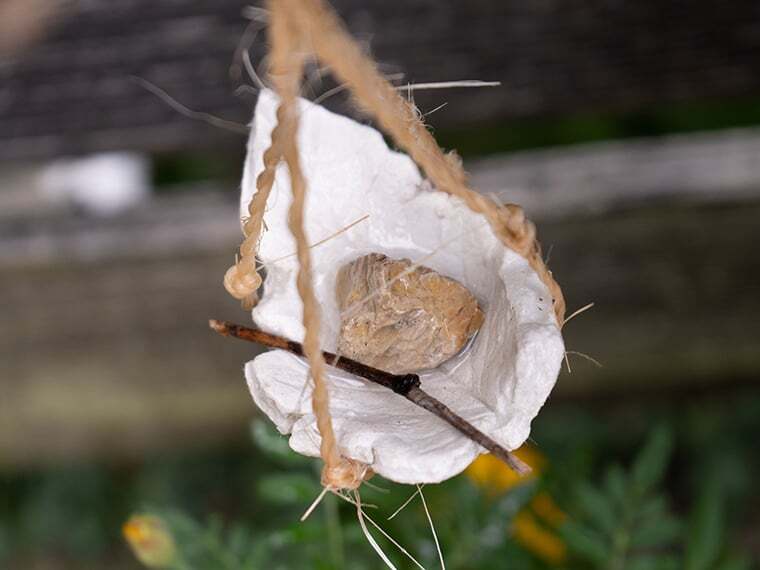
498	383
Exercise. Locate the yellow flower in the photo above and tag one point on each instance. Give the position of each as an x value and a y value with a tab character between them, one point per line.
545	507
492	475
529	527
151	541
540	541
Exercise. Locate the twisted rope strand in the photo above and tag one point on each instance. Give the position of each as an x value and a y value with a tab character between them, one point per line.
287	68
242	280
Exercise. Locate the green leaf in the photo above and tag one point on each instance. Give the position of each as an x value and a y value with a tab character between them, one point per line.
289	489
650	465
274	444
735	563
706	530
653	562
598	508
651	510
615	485
504	509
585	542
239	541
657	533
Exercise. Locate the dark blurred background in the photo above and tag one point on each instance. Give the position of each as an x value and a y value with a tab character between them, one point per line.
628	130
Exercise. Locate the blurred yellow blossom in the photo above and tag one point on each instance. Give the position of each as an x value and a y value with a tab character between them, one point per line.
494	477
151	541
543	505
536	538
529	527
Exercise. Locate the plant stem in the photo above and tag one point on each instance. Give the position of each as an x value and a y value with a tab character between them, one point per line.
619	549
334	532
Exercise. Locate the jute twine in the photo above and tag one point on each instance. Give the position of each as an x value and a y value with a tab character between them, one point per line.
299	28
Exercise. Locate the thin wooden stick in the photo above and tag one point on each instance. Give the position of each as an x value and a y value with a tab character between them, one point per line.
406	385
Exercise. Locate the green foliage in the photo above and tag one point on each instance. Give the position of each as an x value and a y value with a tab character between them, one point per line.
627	524
706	529
681	502
274	445
706	549
331	537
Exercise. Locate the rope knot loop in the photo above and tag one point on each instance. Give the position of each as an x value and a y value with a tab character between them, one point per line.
240	283
346	474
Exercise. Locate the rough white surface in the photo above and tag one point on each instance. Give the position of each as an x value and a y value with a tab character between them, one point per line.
500	381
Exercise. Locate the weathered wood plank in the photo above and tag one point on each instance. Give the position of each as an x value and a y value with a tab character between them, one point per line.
552	184
93	354
677	297
599	177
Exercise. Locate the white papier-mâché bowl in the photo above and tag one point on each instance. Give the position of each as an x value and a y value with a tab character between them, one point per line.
498	383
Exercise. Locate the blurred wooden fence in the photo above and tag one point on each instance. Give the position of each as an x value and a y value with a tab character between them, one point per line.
105	348
73	92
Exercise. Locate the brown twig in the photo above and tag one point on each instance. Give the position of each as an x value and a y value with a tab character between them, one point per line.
406	385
